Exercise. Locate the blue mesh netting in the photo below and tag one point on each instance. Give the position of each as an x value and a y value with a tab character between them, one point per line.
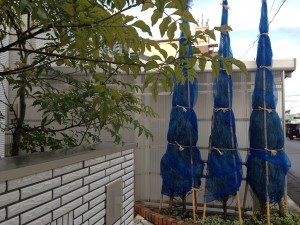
265	131
181	168
224	166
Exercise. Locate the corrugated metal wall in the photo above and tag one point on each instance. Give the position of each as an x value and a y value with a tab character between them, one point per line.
149	153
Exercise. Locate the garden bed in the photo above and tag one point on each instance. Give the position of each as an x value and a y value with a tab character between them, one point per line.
176	217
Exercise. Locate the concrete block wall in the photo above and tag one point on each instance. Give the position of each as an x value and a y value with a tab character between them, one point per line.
67	191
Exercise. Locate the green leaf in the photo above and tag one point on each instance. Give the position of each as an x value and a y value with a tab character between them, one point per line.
174	45
99	88
188	17
160	4
164	83
171	30
185	16
147	5
154	90
128	19
100	77
41	13
180	4
149	79
215	65
151	65
227	65
156	16
68	7
240	65
135	69
202	64
196	51
163	52
143	26
164	25
120	4
171	5
155	57
224	29
207	55
185	29
170	59
211	34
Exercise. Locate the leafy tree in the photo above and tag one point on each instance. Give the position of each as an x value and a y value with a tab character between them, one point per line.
100	40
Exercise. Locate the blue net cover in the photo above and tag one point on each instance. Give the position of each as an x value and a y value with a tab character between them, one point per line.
224	166
177	172
181	167
265	131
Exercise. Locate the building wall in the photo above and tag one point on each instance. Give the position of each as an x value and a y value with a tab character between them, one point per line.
67	188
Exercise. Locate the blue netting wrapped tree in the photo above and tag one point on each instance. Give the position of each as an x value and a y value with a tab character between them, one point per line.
181	167
224	167
267	163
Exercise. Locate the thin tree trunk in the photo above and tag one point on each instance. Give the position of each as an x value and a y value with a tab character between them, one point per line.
17	134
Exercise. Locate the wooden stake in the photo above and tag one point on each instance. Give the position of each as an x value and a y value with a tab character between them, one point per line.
245	198
285	193
196	202
194	208
239	207
204	213
267	193
160	203
268	213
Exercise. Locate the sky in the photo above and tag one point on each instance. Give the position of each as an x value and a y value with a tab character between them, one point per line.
244	17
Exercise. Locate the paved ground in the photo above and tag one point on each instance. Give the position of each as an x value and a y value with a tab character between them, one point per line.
141	221
293	177
293	188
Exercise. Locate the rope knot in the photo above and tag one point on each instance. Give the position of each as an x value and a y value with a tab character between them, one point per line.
218	150
266	67
183	108
273	151
181	147
197	190
266	109
225	6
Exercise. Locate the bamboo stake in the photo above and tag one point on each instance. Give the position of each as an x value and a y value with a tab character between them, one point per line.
204	205
245	198
204	213
196	202
268	213
239	207
160	203
267	189
194	209
285	193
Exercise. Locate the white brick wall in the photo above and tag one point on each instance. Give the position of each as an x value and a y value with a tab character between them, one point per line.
73	194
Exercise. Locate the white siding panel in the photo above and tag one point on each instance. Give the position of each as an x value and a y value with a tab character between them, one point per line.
3	61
